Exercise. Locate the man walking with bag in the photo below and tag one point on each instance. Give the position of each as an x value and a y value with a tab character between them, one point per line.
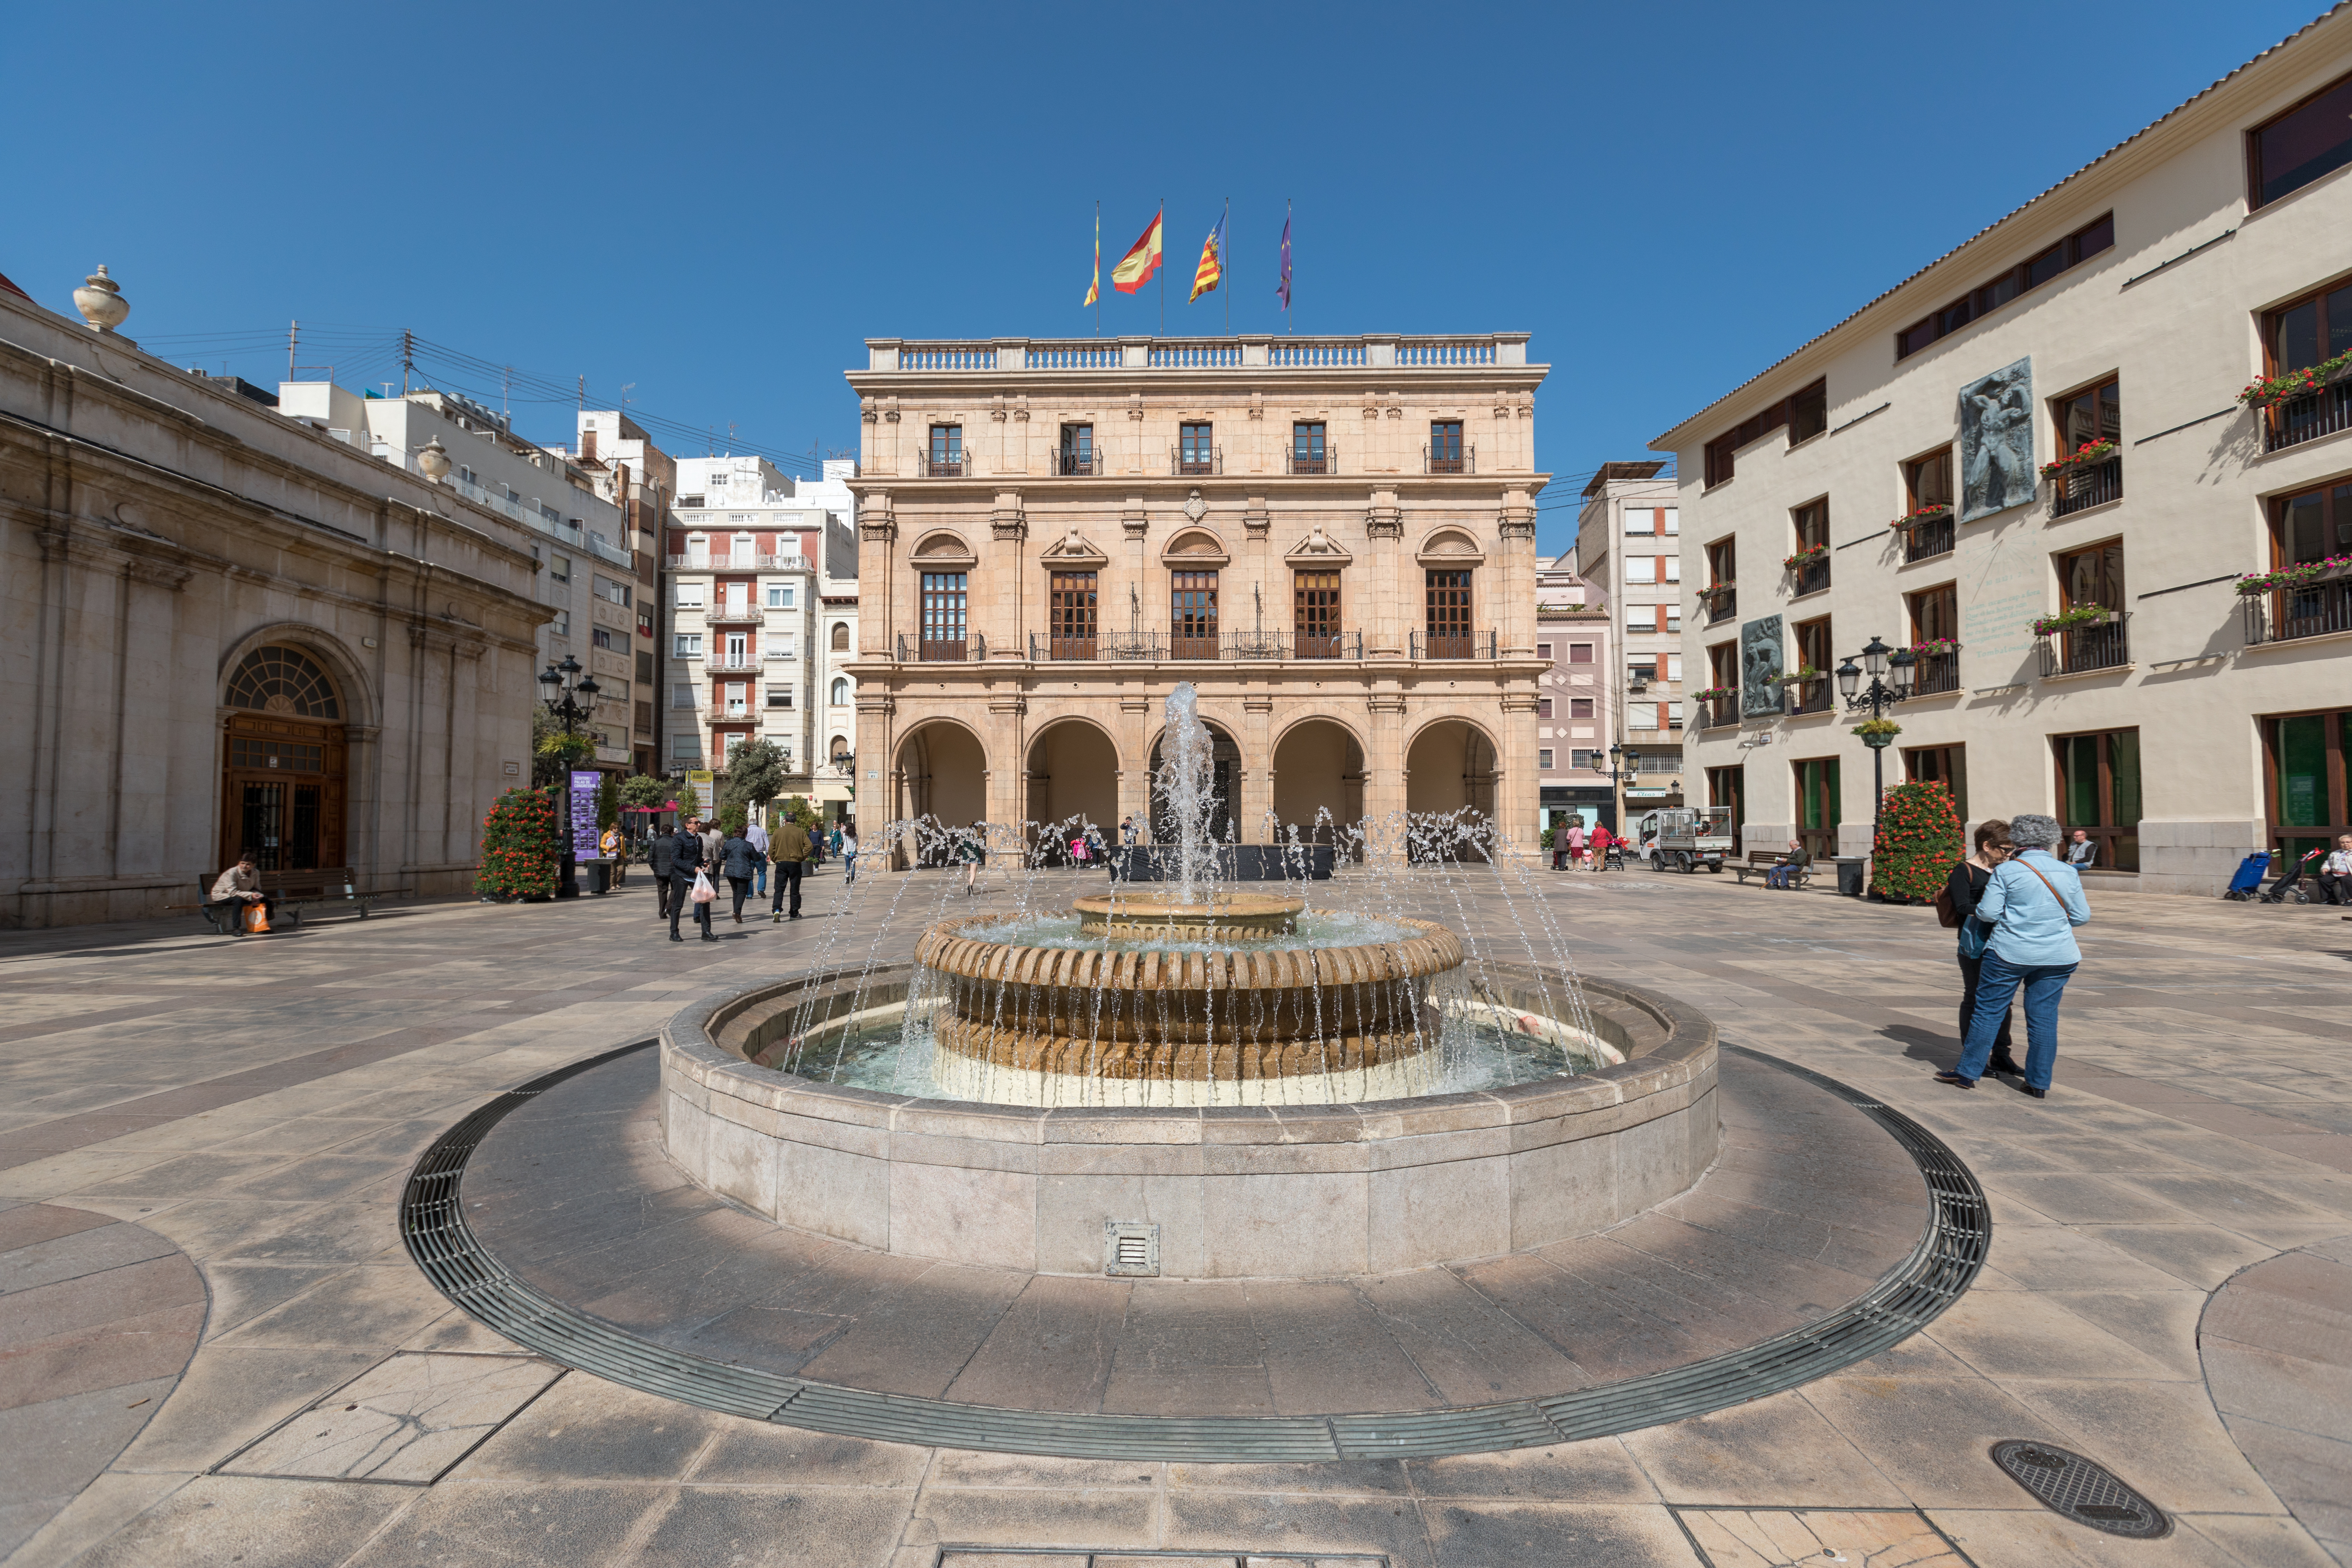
686	867
791	848
659	852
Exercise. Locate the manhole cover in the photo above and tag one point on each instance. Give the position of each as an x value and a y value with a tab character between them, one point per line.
2084	1491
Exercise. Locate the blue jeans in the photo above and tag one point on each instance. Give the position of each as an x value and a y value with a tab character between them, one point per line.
1997	982
761	891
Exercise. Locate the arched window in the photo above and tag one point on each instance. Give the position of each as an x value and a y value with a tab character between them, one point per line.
839	752
283	680
841	691
841	637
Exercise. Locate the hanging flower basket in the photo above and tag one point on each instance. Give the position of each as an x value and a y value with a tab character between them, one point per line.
1911	520
2301	574
1805	557
1878	733
1936	646
2090	454
2277	389
2073	620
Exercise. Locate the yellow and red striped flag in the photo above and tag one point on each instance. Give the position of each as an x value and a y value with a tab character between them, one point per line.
1094	289
1212	270
1142	261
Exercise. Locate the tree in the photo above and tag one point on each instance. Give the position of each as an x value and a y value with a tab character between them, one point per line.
645	790
519	847
689	804
553	753
755	775
1918	839
798	809
608	802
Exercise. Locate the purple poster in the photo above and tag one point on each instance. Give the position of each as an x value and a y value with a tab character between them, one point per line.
585	785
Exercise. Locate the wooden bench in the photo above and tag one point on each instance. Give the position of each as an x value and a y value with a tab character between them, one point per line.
1761	862
297	891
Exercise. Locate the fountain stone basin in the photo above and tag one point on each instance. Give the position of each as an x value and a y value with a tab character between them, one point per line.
1275	1190
1147	915
1185	1024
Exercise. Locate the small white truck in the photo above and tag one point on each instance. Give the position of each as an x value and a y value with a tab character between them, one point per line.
1684	838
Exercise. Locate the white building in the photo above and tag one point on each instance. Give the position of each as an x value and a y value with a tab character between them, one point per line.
588	578
1576	706
740	578
834	691
2086	642
1629	548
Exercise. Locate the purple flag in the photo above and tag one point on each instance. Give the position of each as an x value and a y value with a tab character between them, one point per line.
1283	287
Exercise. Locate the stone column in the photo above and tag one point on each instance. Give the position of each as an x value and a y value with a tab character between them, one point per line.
1006	631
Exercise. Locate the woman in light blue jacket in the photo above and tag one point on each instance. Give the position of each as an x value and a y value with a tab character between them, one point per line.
2033	903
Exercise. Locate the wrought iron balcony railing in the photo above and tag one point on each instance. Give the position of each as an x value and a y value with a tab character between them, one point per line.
941	651
1422	645
1201	460
1806	697
2287	615
2087	485
1936	673
1088	464
1927	538
1810	577
1722	601
2081	649
1319	459
1449	460
2306	418
955	466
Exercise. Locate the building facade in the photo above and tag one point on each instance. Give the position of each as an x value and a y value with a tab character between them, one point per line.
589	583
1629	546
1332	538
226	628
834	786
1575	711
2031	467
641	482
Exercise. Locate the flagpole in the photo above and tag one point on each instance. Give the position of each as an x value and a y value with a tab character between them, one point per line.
1162	221
1225	262
1097	267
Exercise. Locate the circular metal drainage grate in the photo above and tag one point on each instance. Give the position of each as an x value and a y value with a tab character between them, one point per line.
2081	1490
1941	1267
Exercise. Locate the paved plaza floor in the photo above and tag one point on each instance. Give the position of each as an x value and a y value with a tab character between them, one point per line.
214	1347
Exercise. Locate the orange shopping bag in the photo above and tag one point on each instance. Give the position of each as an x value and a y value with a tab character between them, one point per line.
257	918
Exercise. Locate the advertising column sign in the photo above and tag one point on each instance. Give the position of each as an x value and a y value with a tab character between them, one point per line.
585	785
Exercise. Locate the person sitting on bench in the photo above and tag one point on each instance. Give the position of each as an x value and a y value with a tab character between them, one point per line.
241	884
2335	872
1784	875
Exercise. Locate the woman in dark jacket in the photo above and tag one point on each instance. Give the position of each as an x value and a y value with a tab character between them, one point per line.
1966	886
741	862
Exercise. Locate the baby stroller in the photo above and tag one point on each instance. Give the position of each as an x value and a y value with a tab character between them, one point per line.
2247	885
2290	889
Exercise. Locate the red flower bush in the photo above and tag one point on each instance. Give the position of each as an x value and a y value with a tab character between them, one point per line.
1918	839
519	839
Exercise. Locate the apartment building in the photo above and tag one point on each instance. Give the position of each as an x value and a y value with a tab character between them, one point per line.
588	579
1628	548
833	684
2112	579
641	480
739	584
1331	539
1575	706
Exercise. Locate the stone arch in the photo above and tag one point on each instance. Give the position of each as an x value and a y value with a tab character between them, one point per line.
940	769
943	544
840	636
1451	763
1318	767
291	696
842	693
1450	543
1073	770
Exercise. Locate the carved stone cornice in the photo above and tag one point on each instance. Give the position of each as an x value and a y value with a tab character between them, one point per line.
1255	520
881	529
1010	530
168	575
1383	523
1384	702
1015	705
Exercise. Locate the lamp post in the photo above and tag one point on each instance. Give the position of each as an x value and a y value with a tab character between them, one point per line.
1632	769
572	698
1879	696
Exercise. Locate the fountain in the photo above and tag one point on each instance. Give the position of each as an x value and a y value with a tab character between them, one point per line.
1236	1082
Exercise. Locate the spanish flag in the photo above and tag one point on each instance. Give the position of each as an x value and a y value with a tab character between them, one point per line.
1094	289
1212	270
1142	259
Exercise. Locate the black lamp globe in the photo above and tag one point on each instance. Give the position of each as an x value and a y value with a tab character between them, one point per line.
1849	678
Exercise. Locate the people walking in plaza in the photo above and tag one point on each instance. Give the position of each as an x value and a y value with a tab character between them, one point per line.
968	851
738	860
1099	851
2081	851
1576	842
2032	900
609	844
2335	872
687	859
659	854
1597	845
711	839
848	852
1965	889
241	885
756	834
790	848
834	838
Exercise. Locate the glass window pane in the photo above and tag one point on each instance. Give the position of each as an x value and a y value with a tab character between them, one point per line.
2294	338
2339	322
2303	771
2095	238
2298	148
2045	266
2123	771
2081	781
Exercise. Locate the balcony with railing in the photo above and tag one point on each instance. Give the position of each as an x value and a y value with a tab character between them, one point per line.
733	615
1089	464
1934	674
1196	460
2081	649
1722	601
1718	712
746	561
940	650
731	664
1450	459
958	465
1323	457
2323	412
1799	698
1925	538
2308	610
1420	645
1193	356
1234	646
2086	485
1810	575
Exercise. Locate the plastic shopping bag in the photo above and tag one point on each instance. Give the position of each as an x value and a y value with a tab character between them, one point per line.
257	918
703	891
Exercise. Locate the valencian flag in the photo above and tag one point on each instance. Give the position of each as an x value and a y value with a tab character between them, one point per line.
1212	270
1142	259
1283	287
1094	289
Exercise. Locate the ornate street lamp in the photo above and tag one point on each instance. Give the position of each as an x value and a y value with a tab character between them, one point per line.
1890	682
570	698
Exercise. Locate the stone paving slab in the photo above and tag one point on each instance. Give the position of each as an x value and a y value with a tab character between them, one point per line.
2180	1063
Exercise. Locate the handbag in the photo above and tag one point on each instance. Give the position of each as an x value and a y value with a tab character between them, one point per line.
703	892
1948	914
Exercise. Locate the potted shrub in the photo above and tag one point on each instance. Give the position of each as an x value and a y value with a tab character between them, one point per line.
2088	455
520	840
1917	840
2268	391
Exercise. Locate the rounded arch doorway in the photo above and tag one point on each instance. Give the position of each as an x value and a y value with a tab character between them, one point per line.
1073	774
1451	765
1225	764
286	767
942	772
1319	779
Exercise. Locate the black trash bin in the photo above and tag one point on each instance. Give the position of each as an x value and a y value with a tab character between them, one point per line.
1852	872
602	880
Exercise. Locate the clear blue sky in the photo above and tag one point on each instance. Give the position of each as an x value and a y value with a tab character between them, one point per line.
720	203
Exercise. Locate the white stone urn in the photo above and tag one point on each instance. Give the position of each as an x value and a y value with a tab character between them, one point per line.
433	460
100	300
